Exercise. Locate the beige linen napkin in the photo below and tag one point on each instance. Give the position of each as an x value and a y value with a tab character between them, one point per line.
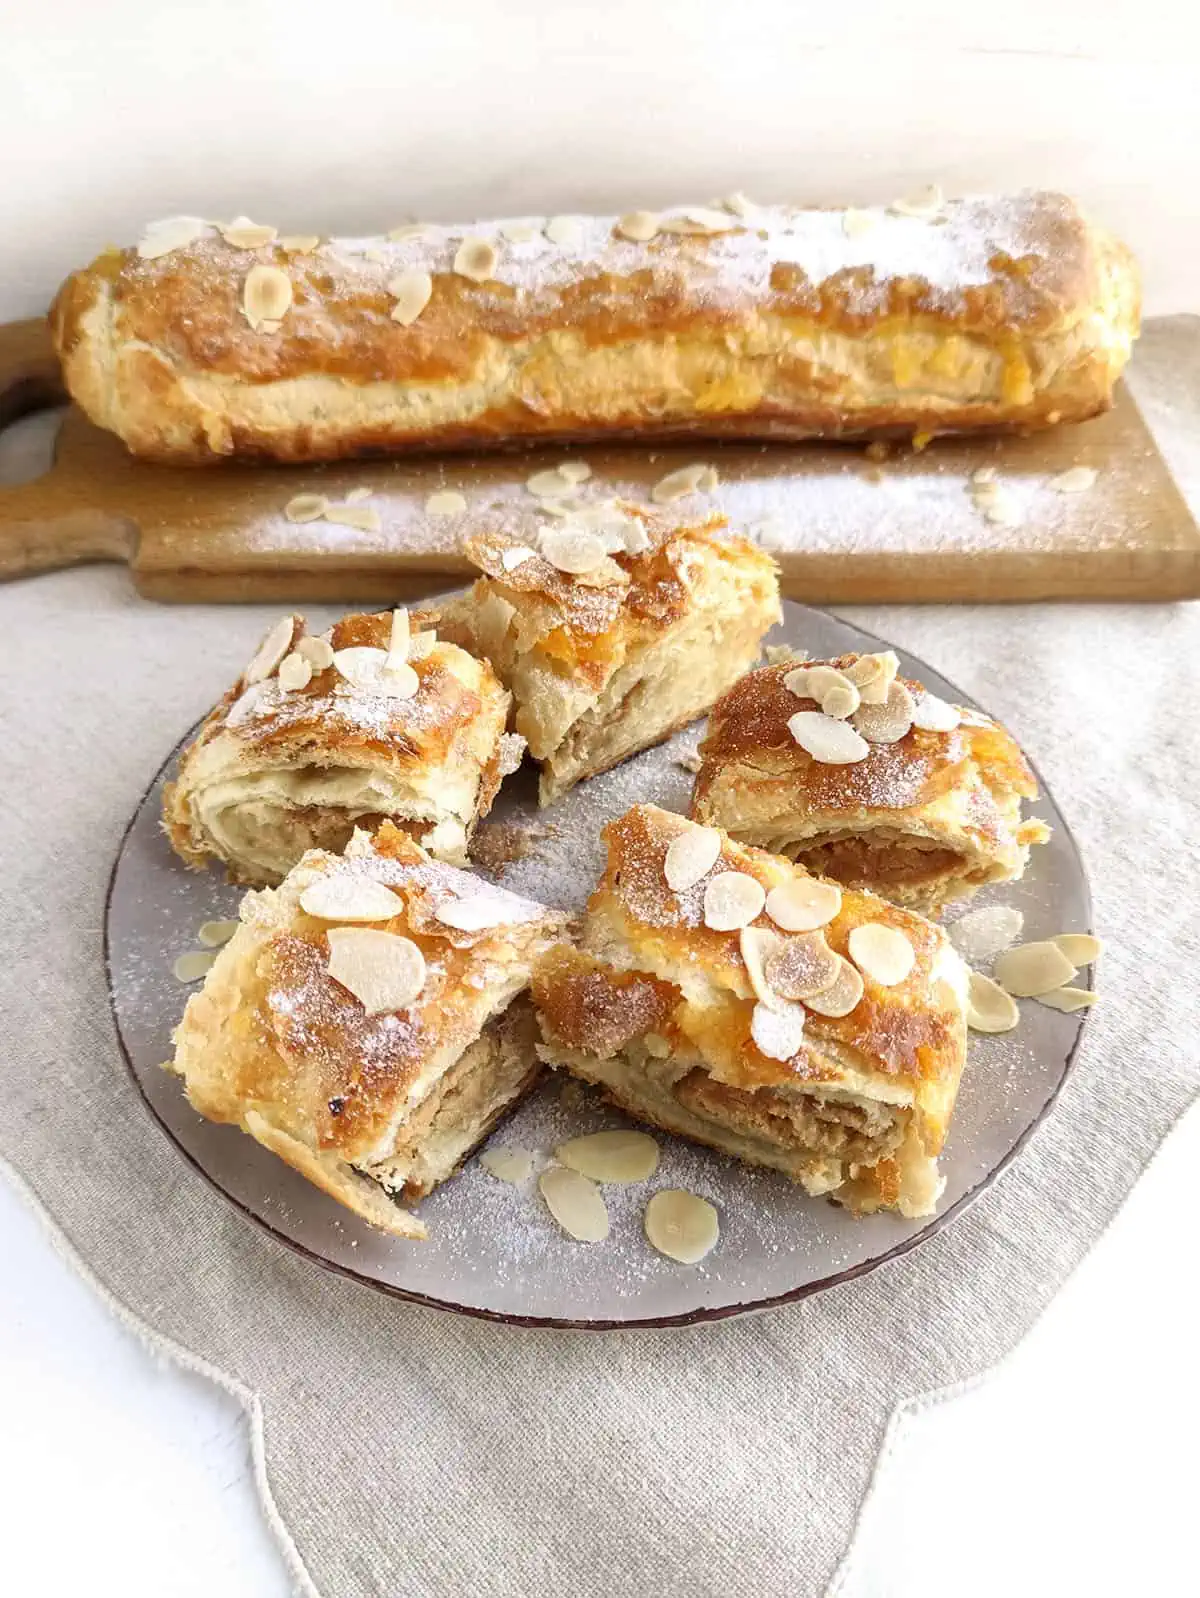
410	1452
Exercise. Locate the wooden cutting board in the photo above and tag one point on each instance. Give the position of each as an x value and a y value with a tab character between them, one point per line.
845	528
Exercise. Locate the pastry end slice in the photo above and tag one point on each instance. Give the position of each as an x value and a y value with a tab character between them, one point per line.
832	1054
369	1022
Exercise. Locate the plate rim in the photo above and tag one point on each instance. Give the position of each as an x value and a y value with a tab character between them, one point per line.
702	1315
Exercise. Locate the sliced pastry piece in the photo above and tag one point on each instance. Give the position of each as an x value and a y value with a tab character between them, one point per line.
368	1022
724	994
863	776
322	734
614	631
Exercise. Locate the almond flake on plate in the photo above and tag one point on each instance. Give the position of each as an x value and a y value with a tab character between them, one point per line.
357	495
932	714
271	651
306	507
365	517
243	234
574	471
1068	999
690	856
412	291
778	1030
882	953
757	945
981	935
410	230
552	483
842	996
989	1008
983	475
195	964
476	259
266	295
317	651
678	484
520	232
802	967
804	904
1032	969
213	934
732	900
300	243
171	233
384	971
681	1225
855	222
1075	480
446	502
737	204
575	1203
1080	948
638	226
619	1156
571	551
566	231
832	742
516	555
922	203
295	672
508	1164
341	897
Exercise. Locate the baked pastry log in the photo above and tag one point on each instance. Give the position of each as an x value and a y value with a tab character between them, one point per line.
683	1005
618	650
376	1091
751	322
322	734
865	777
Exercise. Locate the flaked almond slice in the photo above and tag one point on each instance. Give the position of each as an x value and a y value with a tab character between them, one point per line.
294	672
574	471
243	234
804	904
757	945
932	714
796	682
882	953
317	651
842	996
572	551
1001	508
778	1029
399	638
552	483
412	291
384	971
983	476
476	912
678	484
1080	948
575	1203
681	1225
889	722
708	481
350	898
213	934
737	204
989	1008
922	203
357	495
839	702
300	243
832	742
422	644
365	517
1032	969
446	502
407	231
508	1165
306	507
1075	480
377	256
637	225
566	231
1068	999
690	856
476	259
732	900
266	295
520	232
620	1156
802	967
245	705
516	555
195	964
980	935
855	222
367	669
271	651
706	219
825	682
873	676
171	233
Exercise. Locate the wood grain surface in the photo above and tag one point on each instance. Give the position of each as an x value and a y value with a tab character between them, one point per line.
845	528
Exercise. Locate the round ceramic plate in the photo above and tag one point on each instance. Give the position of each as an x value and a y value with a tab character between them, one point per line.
493	1249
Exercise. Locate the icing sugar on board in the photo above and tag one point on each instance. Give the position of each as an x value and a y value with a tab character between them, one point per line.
845	528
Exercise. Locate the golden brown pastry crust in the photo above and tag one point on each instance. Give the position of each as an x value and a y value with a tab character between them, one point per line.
274	1045
649	966
930	818
301	769
999	312
600	672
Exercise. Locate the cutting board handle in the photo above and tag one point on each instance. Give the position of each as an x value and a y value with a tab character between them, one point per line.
43	524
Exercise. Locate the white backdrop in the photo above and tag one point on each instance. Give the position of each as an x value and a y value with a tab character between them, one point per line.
350	116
